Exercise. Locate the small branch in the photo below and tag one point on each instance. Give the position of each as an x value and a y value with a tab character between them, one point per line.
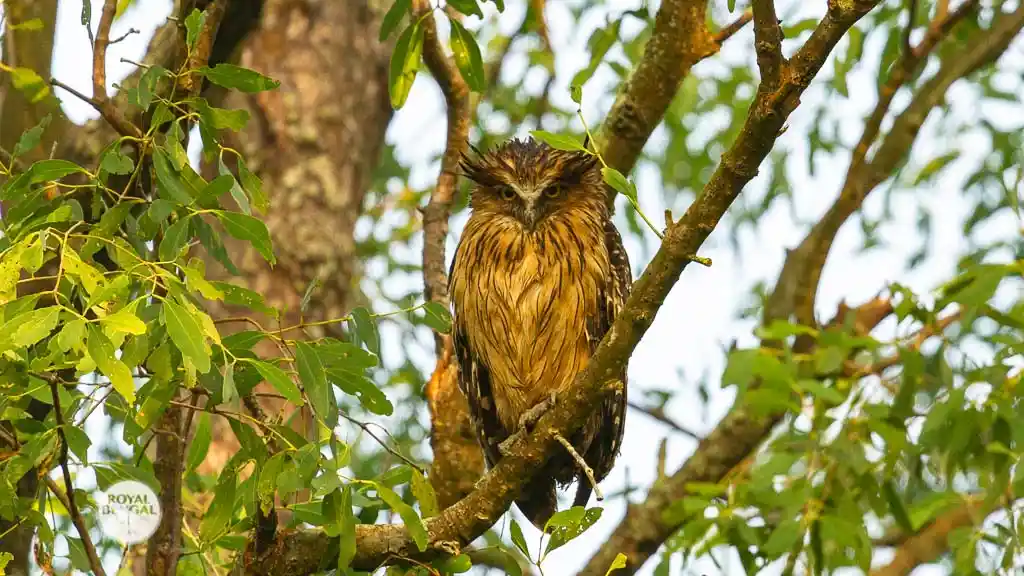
435	214
658	414
99	51
204	44
916	341
767	43
733	27
932	541
69	501
366	428
911	17
582	464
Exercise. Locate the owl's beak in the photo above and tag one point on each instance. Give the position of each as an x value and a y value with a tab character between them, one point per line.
530	216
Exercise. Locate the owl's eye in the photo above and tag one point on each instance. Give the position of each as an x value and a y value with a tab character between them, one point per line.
553	191
507	193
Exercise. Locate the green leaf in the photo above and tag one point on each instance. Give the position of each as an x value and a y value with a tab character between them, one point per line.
467	7
830	396
279	380
108	473
896	506
619	562
566	525
412	521
347	529
238	78
125	320
200	444
55	169
26	329
220	118
424	494
78	442
616	180
171	184
142	96
559	141
114	162
187	334
76	553
437	317
31	137
311	373
366	329
215	189
393	18
253	185
221	509
783	538
101	350
518	539
467	56
194	26
250	229
405	63
241	296
267	484
228	391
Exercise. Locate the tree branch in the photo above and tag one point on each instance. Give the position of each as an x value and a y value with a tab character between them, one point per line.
458	461
643	530
465	520
767	43
679	40
807	261
69	502
658	413
931	542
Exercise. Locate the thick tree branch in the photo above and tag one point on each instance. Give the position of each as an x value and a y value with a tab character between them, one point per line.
471	516
931	542
679	40
643	529
807	261
767	43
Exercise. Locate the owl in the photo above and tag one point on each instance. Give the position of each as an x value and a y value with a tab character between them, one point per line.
539	275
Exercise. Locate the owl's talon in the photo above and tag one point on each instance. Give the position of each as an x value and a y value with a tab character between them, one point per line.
505	448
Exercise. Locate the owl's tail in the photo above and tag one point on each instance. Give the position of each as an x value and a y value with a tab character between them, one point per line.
538	500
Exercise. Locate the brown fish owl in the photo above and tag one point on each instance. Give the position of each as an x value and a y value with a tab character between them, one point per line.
538	277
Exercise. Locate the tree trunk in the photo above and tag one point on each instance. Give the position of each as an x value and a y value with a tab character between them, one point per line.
314	142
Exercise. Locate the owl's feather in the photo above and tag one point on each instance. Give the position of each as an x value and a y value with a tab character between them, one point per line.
538	277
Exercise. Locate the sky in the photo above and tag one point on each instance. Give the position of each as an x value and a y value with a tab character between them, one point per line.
697	323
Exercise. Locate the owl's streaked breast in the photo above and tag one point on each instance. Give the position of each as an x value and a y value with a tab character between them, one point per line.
526	297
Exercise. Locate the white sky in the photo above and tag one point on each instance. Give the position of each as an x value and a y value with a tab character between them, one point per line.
697	321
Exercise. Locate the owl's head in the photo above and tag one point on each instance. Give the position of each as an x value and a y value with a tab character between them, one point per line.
531	182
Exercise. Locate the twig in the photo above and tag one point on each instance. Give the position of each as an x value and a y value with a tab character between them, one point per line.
659	415
911	16
69	501
366	428
767	43
582	465
99	51
122	37
733	27
918	339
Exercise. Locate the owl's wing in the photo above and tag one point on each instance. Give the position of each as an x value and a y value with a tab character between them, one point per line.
475	383
605	446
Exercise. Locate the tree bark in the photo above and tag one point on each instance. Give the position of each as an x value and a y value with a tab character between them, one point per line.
314	142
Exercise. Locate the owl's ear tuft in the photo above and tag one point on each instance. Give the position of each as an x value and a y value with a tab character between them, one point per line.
578	166
474	169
